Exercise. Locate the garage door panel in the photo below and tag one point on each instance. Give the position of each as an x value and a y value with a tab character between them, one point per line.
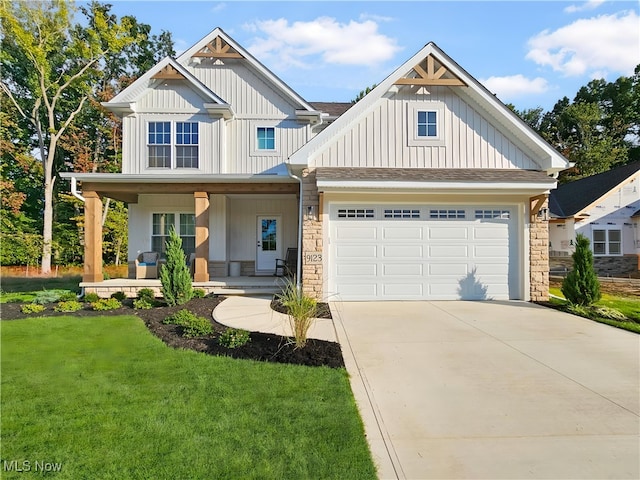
402	251
414	269
357	290
402	233
448	251
489	251
493	232
356	251
442	231
500	269
347	233
403	289
448	269
357	269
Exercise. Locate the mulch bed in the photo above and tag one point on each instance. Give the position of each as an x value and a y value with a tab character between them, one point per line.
262	347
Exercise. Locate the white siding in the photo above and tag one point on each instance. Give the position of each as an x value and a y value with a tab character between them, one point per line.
380	139
170	96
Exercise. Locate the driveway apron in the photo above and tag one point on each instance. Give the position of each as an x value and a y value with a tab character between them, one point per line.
492	390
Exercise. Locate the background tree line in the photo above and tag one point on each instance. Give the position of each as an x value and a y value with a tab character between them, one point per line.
60	62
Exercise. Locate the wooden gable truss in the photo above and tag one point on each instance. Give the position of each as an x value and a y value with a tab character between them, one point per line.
427	74
169	73
217	48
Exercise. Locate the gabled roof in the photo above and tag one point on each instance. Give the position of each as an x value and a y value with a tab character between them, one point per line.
573	198
218	44
431	66
166	68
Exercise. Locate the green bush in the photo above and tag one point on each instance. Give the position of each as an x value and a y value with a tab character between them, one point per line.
175	277
147	294
234	338
199	293
581	285
142	304
68	297
301	309
29	308
120	296
91	297
68	306
47	296
106	304
192	325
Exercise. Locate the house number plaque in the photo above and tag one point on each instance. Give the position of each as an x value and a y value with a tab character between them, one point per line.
313	258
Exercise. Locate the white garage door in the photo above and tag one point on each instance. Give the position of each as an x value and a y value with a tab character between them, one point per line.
427	252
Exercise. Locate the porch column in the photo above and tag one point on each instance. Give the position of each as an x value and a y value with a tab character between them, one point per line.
539	248
92	237
201	273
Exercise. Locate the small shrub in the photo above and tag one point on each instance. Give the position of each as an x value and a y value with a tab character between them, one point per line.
234	338
68	297
197	327
29	308
91	297
192	325
301	309
120	296
106	304
142	304
146	293
581	285
175	277
47	296
199	293
68	306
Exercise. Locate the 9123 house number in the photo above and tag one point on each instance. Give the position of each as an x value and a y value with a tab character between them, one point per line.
312	258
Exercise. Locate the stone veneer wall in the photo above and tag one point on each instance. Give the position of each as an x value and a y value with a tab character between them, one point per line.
312	273
539	258
604	266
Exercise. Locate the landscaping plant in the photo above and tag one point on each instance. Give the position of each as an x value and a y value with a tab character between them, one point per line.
301	309
192	325
106	304
68	306
29	308
174	275
234	338
581	285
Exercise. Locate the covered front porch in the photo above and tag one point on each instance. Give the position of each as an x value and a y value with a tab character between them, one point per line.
244	285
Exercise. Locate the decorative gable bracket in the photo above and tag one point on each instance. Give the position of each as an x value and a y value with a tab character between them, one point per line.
169	73
428	75
217	48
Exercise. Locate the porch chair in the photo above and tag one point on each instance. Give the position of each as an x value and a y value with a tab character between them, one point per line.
147	265
287	266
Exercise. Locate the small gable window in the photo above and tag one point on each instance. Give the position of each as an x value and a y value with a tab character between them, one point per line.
166	150
427	123
266	138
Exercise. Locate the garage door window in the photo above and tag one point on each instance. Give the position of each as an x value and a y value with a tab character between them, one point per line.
447	214
401	213
356	213
493	214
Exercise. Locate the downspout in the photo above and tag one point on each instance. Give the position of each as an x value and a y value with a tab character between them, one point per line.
74	190
300	219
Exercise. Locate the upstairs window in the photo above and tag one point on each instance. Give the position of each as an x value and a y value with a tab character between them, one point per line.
427	124
266	138
168	151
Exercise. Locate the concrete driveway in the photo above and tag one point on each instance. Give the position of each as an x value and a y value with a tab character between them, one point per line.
492	390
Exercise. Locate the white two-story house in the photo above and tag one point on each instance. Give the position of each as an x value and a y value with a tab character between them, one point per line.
428	188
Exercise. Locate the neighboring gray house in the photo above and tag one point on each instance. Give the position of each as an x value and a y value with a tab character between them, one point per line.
605	208
427	188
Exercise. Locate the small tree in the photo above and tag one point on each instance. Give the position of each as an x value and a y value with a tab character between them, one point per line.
174	275
581	285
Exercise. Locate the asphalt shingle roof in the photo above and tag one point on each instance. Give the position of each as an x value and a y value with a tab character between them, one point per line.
573	197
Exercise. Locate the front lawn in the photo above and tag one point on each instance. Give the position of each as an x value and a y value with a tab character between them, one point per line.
104	398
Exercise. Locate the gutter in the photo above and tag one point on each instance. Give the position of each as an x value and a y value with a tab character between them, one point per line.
300	219
74	189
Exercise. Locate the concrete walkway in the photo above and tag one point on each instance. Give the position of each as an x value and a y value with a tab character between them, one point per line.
489	390
255	314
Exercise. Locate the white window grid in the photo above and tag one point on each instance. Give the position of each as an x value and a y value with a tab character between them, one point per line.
447	214
493	214
401	213
356	213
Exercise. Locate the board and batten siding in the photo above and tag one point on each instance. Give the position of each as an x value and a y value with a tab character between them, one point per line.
380	139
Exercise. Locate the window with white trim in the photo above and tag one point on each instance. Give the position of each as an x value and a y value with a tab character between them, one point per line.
168	151
266	138
484	214
447	214
185	228
356	213
427	123
607	241
401	213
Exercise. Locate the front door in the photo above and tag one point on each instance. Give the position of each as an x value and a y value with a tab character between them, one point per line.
268	245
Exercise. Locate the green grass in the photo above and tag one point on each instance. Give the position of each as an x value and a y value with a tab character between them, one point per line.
24	289
106	399
629	306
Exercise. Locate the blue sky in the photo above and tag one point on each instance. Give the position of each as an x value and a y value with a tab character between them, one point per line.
528	53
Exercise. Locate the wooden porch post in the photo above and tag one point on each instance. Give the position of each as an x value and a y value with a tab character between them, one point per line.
92	237
201	273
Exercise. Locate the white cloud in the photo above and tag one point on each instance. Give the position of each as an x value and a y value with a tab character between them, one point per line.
218	7
589	5
353	43
514	86
606	43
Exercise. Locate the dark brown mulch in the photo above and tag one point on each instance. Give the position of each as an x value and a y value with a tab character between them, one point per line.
262	347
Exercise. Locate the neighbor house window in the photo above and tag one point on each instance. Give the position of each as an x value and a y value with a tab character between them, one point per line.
185	228
607	242
266	138
167	151
427	124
